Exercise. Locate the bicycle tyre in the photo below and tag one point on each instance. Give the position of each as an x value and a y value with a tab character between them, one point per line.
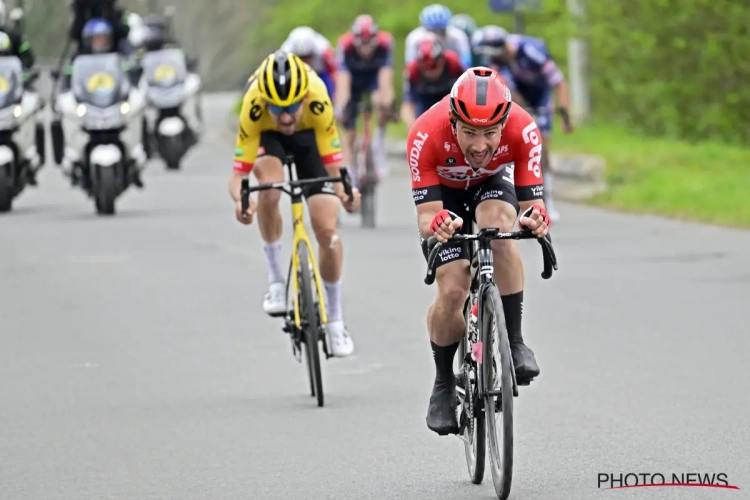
501	459
310	322
368	194
476	451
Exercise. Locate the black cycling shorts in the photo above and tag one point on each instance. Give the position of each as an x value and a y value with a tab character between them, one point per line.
464	202
307	158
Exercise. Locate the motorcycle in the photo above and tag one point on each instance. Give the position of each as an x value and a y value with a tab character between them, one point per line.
21	131
101	117
174	112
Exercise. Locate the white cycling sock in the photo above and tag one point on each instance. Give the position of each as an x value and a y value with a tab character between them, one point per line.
333	304
273	261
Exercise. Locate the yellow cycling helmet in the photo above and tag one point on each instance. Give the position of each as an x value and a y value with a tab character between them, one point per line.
282	79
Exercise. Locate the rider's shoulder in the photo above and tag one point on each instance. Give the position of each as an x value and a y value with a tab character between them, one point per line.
518	121
385	39
346	41
317	89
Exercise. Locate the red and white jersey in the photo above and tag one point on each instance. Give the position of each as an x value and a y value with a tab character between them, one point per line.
435	158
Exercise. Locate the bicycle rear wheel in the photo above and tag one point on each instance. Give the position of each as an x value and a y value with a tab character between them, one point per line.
310	322
496	372
475	442
368	193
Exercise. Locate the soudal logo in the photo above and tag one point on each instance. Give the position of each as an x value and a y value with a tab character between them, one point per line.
616	481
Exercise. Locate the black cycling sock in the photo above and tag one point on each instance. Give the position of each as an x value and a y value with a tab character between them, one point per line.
444	361
513	309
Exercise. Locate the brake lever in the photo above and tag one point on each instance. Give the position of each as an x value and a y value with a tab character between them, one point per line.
346	181
245	196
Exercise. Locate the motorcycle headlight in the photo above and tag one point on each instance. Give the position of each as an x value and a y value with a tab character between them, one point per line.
9	117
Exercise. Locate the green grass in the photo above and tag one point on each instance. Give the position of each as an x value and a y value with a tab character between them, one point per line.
706	182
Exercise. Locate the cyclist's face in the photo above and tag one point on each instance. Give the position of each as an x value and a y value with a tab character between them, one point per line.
478	143
99	43
286	119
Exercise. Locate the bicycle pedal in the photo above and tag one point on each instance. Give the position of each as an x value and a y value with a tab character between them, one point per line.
524	382
278	315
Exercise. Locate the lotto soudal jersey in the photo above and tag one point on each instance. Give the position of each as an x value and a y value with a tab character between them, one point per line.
435	158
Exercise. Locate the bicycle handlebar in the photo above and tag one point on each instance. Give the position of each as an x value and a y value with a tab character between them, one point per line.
287	186
489	234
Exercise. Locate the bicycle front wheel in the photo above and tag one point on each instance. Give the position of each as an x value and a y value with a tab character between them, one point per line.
498	385
474	432
310	321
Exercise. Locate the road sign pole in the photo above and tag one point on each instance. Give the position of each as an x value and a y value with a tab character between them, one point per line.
578	66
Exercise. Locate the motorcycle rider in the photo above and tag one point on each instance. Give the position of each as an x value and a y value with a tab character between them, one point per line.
14	43
85	10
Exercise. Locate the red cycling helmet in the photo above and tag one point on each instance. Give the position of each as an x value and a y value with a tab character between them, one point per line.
364	28
480	98
429	52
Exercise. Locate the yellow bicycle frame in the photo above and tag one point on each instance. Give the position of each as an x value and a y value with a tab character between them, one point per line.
300	234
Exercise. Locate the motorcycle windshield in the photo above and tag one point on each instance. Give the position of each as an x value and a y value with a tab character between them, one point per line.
165	68
11	81
98	79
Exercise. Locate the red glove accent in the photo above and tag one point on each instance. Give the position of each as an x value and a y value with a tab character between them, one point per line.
440	218
541	210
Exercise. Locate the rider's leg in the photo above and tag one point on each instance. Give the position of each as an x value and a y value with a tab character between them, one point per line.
324	209
382	113
446	326
498	208
269	168
350	128
445	320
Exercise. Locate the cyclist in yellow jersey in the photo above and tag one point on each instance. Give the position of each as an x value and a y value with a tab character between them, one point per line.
286	109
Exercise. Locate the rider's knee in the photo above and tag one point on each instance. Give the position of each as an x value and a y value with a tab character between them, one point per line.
496	213
453	282
269	198
268	169
324	219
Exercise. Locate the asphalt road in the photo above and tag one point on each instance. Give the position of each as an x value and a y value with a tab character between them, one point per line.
136	361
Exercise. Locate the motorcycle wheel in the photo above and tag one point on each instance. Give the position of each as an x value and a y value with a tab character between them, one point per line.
106	191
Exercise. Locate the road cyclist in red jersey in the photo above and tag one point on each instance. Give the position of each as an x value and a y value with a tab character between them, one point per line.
475	156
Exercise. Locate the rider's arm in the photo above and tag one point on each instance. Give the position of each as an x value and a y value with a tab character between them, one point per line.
343	76
246	149
555	79
527	173
25	54
385	73
329	147
425	183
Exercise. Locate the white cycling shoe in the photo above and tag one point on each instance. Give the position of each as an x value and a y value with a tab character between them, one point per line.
339	341
274	302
